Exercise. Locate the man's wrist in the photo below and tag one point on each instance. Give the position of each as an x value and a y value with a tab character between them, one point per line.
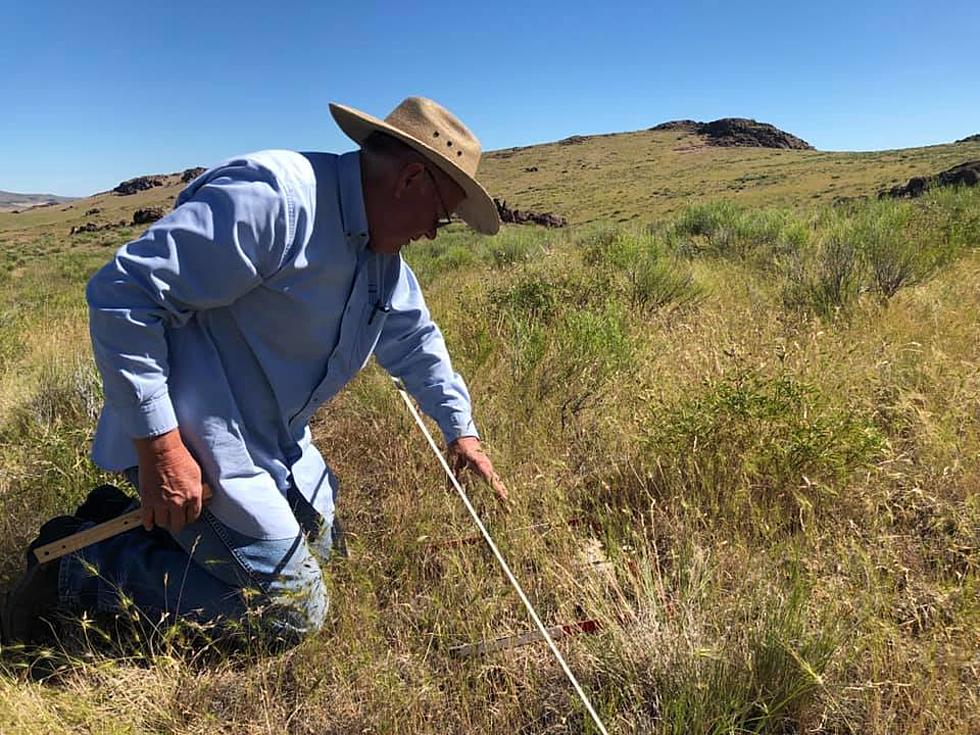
151	447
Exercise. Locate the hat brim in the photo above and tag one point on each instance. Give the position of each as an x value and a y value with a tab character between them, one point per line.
477	208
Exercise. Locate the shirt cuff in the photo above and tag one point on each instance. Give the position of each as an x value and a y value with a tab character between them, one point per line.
151	418
458	425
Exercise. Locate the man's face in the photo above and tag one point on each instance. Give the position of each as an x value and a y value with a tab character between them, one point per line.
422	199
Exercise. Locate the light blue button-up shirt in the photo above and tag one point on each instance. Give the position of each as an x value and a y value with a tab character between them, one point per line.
239	313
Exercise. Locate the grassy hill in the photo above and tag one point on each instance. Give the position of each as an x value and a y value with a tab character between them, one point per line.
764	403
647	174
618	177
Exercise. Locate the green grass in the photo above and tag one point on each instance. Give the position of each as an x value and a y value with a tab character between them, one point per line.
769	412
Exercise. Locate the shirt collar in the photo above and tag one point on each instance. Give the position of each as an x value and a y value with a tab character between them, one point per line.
352	199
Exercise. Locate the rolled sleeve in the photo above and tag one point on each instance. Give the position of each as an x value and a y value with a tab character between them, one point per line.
227	233
412	348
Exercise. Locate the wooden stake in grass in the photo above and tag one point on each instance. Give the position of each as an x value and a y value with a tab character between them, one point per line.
69	544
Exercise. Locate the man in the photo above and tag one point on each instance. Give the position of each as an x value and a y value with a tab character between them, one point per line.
220	331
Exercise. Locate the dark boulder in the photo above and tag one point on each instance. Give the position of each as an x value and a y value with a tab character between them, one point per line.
963	174
189	174
140	183
970	139
525	217
147	216
967	174
93	210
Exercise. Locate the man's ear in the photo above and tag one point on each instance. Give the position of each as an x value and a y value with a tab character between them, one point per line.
409	178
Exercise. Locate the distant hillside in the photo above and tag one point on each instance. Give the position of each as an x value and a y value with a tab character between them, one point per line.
640	175
11	200
645	174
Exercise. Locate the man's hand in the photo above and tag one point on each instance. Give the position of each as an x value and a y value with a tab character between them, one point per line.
467	453
170	482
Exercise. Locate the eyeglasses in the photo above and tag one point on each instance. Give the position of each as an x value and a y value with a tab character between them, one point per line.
446	217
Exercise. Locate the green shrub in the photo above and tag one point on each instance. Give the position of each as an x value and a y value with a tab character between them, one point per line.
533	296
723	230
657	282
710	219
640	269
825	279
617	250
517	245
753	440
900	249
594	342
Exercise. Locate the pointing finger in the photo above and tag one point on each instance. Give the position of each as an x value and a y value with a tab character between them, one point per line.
501	490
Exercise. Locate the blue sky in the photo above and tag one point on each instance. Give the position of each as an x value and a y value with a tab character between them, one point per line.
92	93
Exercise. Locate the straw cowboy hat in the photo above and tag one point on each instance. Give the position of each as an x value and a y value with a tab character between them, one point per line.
437	134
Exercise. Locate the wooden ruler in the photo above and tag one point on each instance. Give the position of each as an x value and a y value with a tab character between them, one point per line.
68	544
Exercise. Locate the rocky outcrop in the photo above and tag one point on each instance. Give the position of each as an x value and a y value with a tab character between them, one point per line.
687	126
147	216
189	174
140	183
738	132
524	217
144	216
95	227
970	139
965	174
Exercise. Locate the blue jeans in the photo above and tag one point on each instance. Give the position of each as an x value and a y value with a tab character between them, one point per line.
209	573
